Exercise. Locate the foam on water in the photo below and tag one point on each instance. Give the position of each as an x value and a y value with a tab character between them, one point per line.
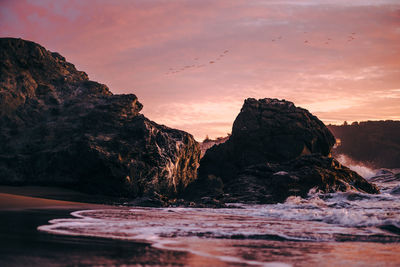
163	228
361	169
348	216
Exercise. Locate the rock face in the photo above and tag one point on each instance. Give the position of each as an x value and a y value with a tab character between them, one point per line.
375	143
274	182
60	128
268	130
276	150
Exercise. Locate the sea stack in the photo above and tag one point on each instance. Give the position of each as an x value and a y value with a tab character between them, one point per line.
276	150
60	128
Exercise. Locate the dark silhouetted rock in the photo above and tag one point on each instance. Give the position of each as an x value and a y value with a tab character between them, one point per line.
60	128
272	182
276	150
373	143
267	130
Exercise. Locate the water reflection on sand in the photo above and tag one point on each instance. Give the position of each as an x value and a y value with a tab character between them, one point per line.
235	237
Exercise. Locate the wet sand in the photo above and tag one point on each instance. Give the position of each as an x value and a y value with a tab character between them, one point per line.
16	202
56	193
22	245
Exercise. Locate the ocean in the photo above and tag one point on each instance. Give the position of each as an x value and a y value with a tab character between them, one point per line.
337	229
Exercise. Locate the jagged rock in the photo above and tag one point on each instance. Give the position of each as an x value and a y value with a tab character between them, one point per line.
277	130
276	150
60	128
272	182
374	143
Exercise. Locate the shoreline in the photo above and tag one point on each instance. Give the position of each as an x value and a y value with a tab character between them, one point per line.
22	244
57	194
22	211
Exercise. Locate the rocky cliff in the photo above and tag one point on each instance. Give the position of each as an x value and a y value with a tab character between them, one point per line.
276	150
374	143
60	128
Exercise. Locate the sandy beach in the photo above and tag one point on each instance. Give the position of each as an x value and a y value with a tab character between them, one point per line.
21	244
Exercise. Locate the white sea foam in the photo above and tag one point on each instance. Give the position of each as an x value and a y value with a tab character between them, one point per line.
160	227
361	169
327	215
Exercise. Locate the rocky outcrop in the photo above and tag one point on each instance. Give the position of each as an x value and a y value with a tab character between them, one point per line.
274	182
372	143
276	150
267	130
60	128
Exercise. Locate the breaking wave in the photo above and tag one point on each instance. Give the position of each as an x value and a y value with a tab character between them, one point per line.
335	217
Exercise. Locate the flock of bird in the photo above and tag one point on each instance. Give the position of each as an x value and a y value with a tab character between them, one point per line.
198	65
351	37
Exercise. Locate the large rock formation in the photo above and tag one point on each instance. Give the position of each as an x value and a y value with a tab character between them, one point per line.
60	128
276	150
267	130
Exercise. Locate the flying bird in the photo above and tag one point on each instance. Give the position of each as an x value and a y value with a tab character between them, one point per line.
187	67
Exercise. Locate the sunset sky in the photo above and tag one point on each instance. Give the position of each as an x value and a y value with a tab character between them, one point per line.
340	59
